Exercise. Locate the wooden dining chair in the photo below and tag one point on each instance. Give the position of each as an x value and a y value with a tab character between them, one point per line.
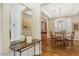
59	39
52	37
70	39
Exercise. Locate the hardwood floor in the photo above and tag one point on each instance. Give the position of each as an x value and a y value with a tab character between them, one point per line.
55	51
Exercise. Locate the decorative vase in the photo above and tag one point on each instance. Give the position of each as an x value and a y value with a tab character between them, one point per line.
28	39
22	38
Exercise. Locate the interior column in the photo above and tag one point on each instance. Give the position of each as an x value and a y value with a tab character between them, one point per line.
36	27
36	22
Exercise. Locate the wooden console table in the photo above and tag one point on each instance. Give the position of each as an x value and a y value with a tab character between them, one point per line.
21	46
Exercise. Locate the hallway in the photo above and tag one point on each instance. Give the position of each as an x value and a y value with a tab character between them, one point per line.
36	21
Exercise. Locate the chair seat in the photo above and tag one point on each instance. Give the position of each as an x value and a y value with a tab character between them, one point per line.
59	43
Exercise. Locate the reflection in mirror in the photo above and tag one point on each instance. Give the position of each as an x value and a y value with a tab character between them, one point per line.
26	25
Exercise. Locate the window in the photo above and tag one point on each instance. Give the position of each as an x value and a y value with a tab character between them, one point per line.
63	24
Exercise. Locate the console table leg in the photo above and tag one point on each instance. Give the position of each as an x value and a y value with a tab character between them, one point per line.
39	48
14	53
20	53
34	49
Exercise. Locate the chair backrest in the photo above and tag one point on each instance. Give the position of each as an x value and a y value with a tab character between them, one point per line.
50	32
72	35
59	35
51	35
62	35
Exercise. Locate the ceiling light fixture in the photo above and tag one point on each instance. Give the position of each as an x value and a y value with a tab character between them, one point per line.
59	12
60	17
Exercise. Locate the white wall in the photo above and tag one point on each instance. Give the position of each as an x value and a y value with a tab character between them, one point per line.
5	41
0	26
51	26
75	19
16	19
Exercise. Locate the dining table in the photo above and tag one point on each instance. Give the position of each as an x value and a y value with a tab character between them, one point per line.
60	41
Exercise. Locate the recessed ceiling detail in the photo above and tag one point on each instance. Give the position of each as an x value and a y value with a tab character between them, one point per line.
67	9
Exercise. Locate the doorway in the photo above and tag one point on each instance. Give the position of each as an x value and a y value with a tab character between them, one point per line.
44	35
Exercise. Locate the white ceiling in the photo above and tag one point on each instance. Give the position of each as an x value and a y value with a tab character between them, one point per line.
67	9
51	10
28	12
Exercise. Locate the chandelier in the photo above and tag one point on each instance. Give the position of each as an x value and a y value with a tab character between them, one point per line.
60	17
